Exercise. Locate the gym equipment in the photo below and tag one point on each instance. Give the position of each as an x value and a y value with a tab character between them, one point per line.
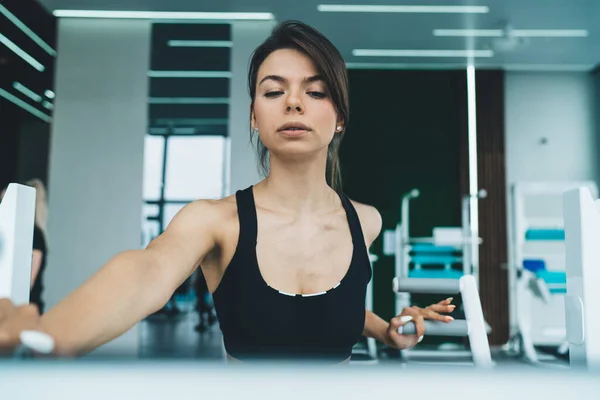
582	228
537	275
447	247
473	326
17	215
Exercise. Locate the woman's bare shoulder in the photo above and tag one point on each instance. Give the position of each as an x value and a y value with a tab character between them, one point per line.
218	210
370	220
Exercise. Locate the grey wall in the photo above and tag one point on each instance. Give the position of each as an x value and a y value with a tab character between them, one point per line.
555	106
97	149
246	35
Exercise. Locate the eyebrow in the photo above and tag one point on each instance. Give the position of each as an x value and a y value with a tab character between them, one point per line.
281	79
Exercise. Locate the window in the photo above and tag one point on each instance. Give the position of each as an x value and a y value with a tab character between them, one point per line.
194	168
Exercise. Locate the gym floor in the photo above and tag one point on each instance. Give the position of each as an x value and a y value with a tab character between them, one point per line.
174	337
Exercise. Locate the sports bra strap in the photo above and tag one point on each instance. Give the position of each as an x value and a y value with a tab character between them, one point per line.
353	220
247	216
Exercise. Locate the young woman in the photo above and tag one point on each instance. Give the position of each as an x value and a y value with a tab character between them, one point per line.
286	259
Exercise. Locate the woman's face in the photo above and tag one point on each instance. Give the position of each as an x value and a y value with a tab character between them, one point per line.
293	111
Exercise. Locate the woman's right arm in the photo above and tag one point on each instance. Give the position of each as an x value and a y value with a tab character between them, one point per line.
133	284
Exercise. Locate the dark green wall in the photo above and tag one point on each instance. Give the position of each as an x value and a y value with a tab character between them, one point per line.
404	133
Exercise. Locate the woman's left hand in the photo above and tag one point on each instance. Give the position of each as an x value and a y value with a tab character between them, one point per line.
417	316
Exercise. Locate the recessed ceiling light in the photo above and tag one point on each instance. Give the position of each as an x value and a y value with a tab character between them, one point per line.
160	15
422	53
403	9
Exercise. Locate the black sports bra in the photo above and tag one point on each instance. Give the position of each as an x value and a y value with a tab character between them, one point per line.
259	322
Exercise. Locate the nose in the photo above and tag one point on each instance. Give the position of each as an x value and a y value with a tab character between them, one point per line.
293	103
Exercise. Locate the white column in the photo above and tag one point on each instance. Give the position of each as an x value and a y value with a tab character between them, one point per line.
243	171
97	150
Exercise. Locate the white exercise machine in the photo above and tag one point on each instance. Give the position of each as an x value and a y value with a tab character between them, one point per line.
17	214
582	232
443	259
17	218
537	273
473	326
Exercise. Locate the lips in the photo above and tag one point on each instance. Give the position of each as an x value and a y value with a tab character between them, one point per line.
294	126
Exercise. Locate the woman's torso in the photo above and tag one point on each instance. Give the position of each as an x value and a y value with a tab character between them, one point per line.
289	287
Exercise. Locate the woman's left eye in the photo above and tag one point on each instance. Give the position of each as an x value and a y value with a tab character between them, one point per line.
318	95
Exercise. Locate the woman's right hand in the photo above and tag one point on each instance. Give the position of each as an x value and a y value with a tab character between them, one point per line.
14	320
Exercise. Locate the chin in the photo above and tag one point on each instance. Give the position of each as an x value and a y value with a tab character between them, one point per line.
296	151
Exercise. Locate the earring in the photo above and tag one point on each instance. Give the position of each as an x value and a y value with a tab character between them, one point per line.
339	128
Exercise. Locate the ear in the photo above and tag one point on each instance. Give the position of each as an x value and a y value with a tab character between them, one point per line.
252	117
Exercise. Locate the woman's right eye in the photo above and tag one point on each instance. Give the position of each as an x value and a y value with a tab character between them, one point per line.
273	94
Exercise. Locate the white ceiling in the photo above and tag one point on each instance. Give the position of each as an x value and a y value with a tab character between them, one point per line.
350	31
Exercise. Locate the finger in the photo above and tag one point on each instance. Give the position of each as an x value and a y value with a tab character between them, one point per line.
399	321
419	322
434	316
447	301
442	308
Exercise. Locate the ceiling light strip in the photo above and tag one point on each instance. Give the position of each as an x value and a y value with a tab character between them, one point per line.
403	9
189	74
550	32
199	43
27	92
468	32
422	53
188	100
20	103
515	32
160	15
31	34
21	53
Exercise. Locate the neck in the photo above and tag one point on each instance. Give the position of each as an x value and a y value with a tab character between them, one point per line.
298	185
